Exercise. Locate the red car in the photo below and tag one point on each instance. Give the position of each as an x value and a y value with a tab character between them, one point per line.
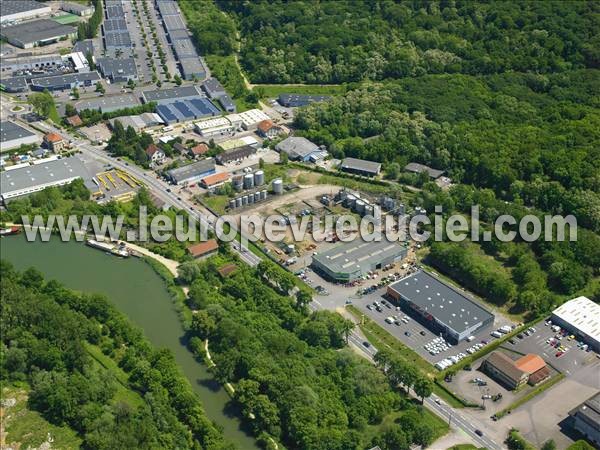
559	354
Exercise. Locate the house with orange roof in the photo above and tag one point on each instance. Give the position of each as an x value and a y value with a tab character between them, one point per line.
55	142
155	154
267	129
203	249
215	180
198	150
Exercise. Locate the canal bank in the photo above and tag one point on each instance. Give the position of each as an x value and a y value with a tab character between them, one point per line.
138	291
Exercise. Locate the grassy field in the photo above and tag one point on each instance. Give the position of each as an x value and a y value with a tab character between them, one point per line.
28	429
273	90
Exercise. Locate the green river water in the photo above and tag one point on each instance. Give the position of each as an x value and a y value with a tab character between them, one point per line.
138	292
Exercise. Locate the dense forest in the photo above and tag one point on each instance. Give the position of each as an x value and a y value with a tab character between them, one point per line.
53	339
293	375
532	139
311	41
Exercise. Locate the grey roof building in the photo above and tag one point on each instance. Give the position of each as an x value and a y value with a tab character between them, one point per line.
418	168
213	88
167	8
173	22
442	307
184	48
119	39
37	32
13	136
118	70
192	173
36	62
192	67
15	84
350	261
108	103
85	47
76	8
170	95
30	179
227	103
22	9
63	82
586	419
178	34
360	167
236	153
298	148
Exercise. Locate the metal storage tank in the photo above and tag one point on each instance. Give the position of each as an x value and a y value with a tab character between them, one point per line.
250	198
401	209
263	194
244	200
341	195
238	202
368	210
257	196
350	201
248	181
259	178
232	203
359	206
237	182
278	186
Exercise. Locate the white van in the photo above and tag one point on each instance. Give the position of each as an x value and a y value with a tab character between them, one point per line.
496	334
470	338
389	320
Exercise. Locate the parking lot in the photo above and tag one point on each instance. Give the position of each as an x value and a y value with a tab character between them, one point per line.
415	335
570	361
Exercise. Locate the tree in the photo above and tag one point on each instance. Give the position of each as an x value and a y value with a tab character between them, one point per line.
42	103
549	445
70	110
423	388
99	88
177	79
75	93
203	324
283	158
131	84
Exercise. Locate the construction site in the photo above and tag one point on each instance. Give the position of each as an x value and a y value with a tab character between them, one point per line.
115	185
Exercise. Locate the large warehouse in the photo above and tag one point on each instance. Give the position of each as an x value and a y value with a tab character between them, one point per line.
443	308
37	33
192	173
30	179
580	316
13	10
350	261
13	136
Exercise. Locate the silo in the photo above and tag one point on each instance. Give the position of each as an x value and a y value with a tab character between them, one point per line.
237	182
359	207
232	203
341	195
259	178
278	186
263	194
401	209
250	198
248	181
368	210
256	196
238	202
244	200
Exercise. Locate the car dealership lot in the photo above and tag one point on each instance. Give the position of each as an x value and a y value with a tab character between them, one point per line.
412	333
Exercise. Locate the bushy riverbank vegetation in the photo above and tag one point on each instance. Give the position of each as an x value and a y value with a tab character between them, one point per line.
87	367
293	376
307	41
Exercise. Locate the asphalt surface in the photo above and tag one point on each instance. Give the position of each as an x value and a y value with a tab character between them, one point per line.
159	187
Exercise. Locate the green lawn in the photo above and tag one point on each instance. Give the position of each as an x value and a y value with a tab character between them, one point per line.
217	203
227	71
28	429
273	90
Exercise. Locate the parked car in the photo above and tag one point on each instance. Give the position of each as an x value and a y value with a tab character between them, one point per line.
478	433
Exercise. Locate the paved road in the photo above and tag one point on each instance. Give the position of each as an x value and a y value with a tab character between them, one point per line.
159	187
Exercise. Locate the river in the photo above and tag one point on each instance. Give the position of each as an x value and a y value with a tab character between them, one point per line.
138	292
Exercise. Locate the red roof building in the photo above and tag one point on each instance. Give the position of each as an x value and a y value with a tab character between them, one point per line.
215	180
267	129
203	248
199	150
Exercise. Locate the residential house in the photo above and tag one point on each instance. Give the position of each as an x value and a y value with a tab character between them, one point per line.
55	142
267	129
203	249
155	154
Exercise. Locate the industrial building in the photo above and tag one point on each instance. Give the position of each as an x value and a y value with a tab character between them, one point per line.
295	100
13	136
511	373
14	85
77	8
442	308
192	173
227	103
108	104
29	179
586	419
170	95
299	149
214	127
248	119
32	62
239	142
118	70
580	316
65	82
213	88
192	67
236	154
215	180
419	168
139	122
186	110
350	261
167	7
36	33
203	249
16	10
360	167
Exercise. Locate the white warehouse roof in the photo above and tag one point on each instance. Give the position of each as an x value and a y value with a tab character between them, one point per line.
583	314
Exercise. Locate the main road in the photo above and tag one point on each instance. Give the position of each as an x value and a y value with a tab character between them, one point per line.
159	189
